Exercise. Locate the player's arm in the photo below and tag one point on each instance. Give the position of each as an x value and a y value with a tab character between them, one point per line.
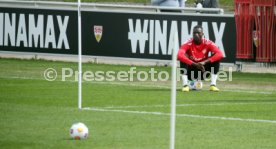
217	54
182	56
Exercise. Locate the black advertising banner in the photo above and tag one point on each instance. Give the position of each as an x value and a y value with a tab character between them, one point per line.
38	30
150	36
111	34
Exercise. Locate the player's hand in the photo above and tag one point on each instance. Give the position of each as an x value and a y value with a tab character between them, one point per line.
199	66
205	62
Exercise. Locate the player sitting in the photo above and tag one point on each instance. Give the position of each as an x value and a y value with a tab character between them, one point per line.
195	60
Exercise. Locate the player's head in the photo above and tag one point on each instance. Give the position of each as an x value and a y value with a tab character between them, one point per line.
198	34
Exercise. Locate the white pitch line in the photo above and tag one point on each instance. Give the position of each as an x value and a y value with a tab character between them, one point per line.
185	105
183	115
168	87
246	91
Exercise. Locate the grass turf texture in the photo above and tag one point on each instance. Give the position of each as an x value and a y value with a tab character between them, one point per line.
36	113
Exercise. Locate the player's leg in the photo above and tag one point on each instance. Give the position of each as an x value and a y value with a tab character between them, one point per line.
188	73
213	68
184	77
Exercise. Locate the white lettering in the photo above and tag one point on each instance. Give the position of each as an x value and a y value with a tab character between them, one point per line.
160	37
151	41
50	33
138	35
62	35
32	31
185	30
1	28
205	29
9	29
218	35
171	39
157	33
21	32
36	31
64	73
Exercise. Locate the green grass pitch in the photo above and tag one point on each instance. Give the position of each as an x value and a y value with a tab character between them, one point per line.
37	114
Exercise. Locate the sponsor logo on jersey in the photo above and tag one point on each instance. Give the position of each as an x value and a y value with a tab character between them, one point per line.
204	51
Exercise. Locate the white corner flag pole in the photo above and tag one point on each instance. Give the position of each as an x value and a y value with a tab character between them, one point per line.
173	91
80	57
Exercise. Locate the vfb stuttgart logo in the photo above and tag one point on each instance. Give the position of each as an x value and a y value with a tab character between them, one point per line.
98	31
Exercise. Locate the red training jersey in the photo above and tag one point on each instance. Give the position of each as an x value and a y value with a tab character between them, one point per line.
189	52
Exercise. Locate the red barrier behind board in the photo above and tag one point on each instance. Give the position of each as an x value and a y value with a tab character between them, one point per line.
244	27
274	33
263	12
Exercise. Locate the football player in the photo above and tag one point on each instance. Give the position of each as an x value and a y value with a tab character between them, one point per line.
199	57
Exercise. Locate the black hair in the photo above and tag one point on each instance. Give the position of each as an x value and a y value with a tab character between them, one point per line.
198	26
